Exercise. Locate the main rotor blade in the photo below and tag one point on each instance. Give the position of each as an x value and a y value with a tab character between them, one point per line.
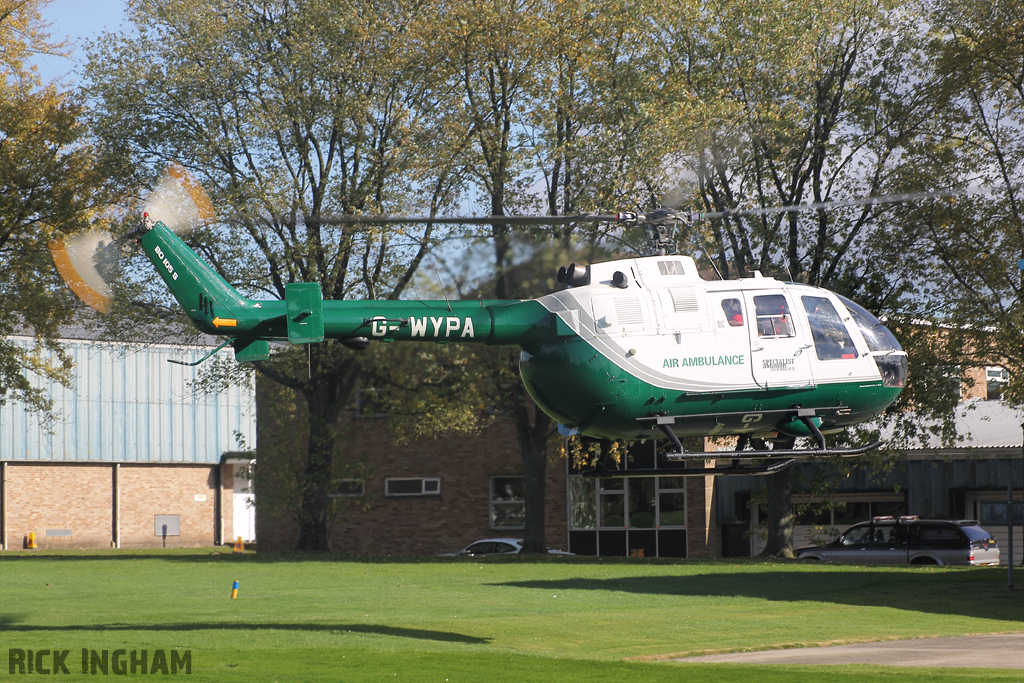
836	204
630	217
465	220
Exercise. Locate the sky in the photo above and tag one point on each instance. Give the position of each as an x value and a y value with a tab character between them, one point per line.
77	21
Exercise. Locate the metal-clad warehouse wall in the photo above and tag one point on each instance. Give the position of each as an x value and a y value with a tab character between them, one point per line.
956	483
128	404
131	444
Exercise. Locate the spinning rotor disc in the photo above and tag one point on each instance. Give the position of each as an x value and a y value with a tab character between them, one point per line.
178	201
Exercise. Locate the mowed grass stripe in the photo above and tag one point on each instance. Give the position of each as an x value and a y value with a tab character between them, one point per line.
320	615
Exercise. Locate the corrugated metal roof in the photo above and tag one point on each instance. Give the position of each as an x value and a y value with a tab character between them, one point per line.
982	424
989	423
128	404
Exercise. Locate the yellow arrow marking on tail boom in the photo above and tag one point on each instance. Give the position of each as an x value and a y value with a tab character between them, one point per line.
225	322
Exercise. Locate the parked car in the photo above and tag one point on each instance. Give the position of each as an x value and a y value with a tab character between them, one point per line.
909	540
496	546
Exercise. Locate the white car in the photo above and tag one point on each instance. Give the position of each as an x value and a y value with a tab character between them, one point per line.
496	546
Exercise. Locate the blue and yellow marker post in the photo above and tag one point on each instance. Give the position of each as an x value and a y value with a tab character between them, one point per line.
234	591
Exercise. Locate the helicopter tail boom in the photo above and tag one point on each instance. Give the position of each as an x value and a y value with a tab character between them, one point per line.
215	307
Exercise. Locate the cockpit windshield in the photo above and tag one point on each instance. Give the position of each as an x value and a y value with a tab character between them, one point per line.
878	337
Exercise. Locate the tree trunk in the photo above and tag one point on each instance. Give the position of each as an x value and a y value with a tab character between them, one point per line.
332	378
780	514
313	518
532	437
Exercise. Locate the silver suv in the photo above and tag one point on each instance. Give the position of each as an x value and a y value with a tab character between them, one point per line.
909	540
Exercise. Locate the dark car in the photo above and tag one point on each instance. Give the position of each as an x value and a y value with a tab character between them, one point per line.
909	540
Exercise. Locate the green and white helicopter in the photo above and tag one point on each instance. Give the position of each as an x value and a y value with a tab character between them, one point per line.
632	349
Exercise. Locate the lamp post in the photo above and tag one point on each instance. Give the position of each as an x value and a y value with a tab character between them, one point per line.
1009	528
1009	486
1009	482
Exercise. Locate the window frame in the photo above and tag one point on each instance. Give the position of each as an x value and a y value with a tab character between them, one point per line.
605	487
826	323
730	316
492	501
423	487
360	482
782	323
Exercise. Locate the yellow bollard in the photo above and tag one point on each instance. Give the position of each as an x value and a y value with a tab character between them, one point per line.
234	591
31	545
239	546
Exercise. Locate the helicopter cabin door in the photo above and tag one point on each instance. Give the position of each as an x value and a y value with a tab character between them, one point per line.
780	347
731	342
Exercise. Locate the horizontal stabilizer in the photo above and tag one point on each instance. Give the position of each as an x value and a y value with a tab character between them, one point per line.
305	303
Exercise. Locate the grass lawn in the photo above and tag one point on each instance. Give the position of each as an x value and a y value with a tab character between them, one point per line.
307	618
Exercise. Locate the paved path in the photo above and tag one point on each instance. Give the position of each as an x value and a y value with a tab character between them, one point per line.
990	652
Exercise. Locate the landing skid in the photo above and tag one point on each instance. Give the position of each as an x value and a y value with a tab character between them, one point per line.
780	458
734	470
805	415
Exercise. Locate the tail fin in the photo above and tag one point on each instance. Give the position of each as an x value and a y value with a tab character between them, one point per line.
214	306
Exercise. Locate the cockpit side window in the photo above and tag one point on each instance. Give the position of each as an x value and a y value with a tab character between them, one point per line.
832	340
875	333
733	312
773	316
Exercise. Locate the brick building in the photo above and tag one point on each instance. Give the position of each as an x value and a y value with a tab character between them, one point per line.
133	459
426	497
438	496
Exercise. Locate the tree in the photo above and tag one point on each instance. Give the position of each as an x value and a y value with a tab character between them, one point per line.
550	101
289	113
53	182
811	103
975	137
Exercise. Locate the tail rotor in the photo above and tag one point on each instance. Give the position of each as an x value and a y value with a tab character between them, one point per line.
89	262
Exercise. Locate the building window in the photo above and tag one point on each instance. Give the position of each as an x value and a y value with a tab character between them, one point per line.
996	379
508	503
643	508
994	514
348	488
612	503
672	502
413	486
636	503
835	513
582	507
